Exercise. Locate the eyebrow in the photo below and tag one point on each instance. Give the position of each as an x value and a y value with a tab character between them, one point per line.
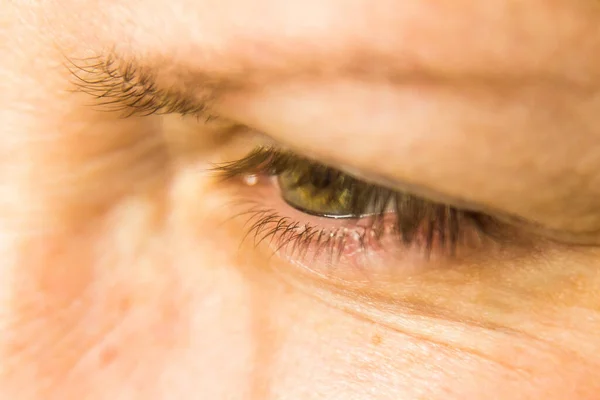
123	86
134	85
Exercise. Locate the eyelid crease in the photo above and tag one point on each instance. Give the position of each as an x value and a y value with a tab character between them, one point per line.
122	87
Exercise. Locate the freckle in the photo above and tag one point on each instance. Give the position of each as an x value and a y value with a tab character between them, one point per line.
376	339
124	304
107	356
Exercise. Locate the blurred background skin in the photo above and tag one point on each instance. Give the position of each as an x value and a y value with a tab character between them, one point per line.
119	280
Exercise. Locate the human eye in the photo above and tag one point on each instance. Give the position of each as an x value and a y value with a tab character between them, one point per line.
340	227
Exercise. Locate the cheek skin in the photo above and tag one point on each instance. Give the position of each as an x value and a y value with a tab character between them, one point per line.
135	307
173	311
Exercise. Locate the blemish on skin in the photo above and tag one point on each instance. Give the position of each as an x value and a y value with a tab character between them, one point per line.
124	305
107	356
376	339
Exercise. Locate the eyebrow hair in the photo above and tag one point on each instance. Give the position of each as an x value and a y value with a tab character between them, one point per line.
134	85
120	86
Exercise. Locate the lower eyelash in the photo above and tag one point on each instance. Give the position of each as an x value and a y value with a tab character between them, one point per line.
294	237
352	241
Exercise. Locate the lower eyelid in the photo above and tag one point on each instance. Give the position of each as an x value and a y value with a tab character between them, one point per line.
349	250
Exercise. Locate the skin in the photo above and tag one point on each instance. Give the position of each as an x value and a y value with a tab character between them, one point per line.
120	280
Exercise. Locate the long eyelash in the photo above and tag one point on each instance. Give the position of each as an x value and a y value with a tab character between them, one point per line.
417	220
297	239
119	87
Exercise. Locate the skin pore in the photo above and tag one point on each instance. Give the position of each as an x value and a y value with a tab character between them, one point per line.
123	275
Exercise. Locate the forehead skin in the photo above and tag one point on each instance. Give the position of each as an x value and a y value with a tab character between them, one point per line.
442	38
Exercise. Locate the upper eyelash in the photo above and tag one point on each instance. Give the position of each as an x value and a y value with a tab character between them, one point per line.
120	87
263	159
442	222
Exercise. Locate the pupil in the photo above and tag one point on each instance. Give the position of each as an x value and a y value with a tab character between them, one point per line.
321	179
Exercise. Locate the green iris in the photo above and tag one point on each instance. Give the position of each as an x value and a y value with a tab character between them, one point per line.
318	190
